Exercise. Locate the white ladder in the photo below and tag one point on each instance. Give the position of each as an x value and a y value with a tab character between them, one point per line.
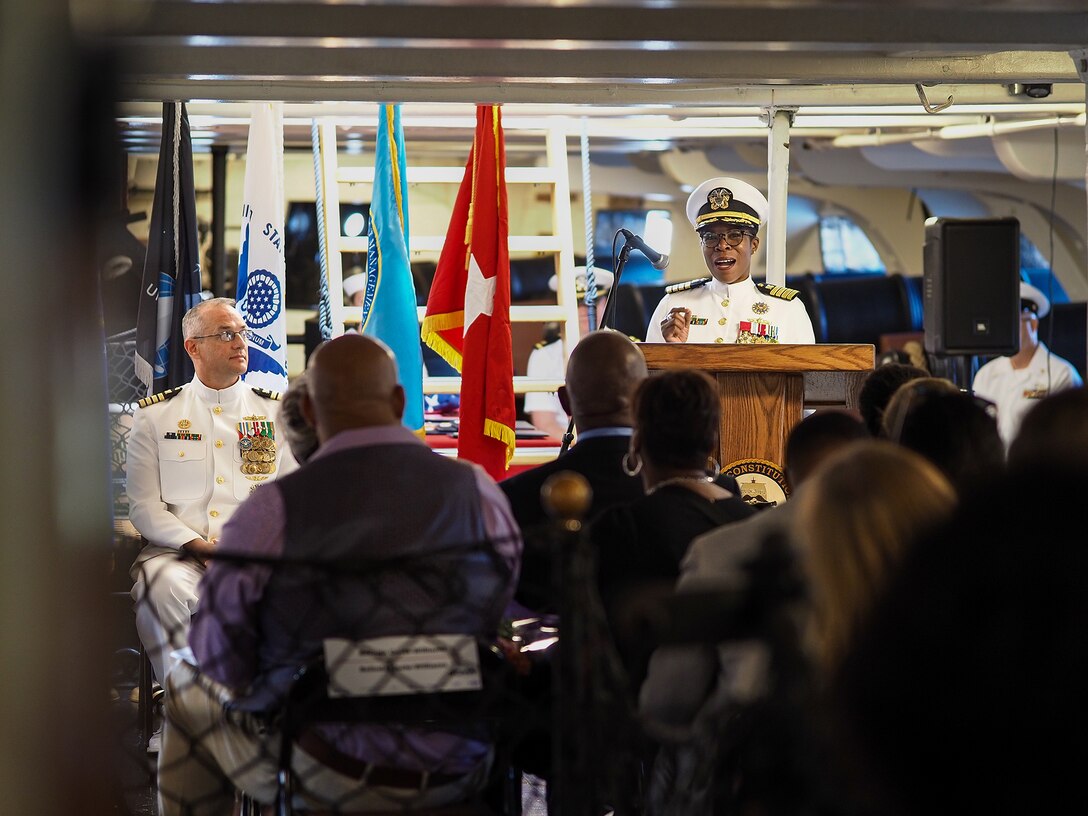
560	243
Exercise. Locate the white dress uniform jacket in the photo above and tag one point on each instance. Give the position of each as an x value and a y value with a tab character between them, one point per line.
547	363
185	475
736	313
1014	391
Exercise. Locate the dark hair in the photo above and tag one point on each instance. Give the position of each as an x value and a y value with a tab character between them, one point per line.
677	415
954	431
817	436
986	615
878	389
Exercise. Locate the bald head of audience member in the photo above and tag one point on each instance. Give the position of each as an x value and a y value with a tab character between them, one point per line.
352	384
603	372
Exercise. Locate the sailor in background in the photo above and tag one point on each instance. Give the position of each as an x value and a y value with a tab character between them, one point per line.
354	285
728	307
547	361
1016	383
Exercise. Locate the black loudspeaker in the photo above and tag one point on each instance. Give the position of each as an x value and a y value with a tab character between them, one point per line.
971	290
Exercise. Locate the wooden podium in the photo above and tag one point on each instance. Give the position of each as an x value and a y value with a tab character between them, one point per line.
765	388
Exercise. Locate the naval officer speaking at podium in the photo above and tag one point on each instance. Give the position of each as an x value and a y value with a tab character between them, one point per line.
728	307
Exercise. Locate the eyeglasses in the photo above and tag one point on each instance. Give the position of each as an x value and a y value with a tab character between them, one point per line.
733	238
227	336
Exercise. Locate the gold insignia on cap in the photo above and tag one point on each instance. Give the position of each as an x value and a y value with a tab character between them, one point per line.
184	424
719	198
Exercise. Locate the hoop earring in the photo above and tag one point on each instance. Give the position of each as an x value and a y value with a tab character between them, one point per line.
713	469
628	468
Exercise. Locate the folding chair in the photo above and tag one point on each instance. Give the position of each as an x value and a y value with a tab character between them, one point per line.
448	683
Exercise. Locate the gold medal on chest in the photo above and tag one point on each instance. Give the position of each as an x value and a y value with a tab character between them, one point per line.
184	424
760	308
257	444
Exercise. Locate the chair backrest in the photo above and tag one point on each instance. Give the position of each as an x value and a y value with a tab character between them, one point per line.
447	681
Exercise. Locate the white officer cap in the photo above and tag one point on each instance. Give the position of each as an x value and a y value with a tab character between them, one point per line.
603	278
1035	297
729	200
354	283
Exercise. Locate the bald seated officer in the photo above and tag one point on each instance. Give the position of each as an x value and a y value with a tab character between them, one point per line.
357	501
728	306
602	373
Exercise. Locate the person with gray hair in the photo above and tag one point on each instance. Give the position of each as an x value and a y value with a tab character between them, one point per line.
194	453
301	435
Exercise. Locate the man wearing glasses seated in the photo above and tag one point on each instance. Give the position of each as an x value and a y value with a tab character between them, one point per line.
194	454
728	307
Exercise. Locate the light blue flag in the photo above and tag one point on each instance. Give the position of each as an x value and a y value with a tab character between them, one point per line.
389	302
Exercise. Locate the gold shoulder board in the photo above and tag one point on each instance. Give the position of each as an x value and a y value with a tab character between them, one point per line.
780	292
686	285
264	392
162	396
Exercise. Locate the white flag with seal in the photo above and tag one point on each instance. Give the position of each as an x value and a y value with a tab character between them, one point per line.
261	277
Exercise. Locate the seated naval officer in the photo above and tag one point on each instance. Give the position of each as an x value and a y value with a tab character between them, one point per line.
728	307
195	452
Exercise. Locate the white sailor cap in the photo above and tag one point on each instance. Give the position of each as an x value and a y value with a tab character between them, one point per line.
1036	298
729	200
354	283
602	277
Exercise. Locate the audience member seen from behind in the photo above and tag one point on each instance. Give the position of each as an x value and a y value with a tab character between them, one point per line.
682	678
384	561
694	694
953	430
639	545
1054	430
967	687
856	519
301	435
603	371
878	389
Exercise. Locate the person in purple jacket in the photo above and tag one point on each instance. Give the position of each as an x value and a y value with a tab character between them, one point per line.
357	500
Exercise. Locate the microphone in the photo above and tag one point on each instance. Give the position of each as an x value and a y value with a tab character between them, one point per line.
657	260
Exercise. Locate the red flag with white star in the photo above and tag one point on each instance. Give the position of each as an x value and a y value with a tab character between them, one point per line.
468	310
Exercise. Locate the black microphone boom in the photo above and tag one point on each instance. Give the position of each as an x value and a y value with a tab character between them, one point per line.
657	260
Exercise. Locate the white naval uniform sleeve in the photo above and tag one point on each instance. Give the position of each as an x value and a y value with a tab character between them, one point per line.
653	329
147	510
799	329
546	363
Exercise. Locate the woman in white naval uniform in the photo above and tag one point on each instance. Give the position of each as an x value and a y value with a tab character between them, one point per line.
728	307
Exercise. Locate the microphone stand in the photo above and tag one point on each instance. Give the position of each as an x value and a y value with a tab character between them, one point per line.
607	319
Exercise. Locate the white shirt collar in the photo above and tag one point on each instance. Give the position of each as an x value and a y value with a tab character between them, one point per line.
723	289
217	397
